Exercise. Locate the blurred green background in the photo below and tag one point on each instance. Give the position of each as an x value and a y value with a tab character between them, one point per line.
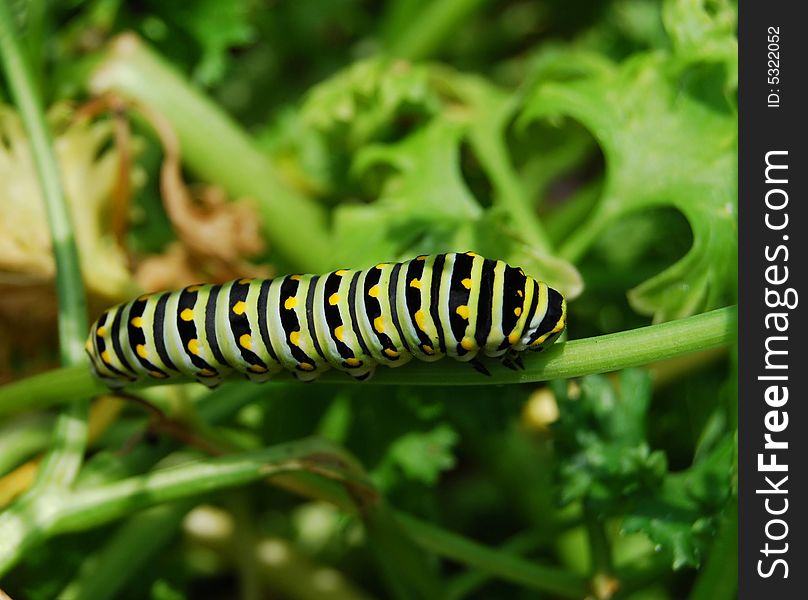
592	143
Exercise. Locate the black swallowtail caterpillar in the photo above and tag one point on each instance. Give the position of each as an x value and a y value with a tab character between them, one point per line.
455	304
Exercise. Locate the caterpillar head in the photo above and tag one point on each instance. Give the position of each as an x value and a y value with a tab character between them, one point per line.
545	326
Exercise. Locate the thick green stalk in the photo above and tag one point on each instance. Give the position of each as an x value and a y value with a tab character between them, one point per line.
70	436
600	354
217	149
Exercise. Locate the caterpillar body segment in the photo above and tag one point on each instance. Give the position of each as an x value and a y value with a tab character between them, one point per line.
459	305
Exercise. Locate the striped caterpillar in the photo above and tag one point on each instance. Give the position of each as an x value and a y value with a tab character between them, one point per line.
457	304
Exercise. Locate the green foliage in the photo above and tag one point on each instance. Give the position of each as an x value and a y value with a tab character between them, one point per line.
593	144
602	433
679	106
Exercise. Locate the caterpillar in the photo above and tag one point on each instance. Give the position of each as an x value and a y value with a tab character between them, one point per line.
458	304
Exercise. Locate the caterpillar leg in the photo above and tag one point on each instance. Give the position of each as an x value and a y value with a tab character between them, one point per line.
210	382
479	366
512	360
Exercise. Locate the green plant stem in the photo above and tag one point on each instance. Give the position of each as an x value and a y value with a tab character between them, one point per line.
216	148
37	517
577	358
22	437
435	24
600	548
69	286
506	566
128	549
70	436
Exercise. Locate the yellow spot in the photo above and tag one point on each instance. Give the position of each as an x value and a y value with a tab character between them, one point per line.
517	311
467	344
466	283
378	324
88	345
353	362
521	272
101	331
290	303
427	349
333	299
295	277
294	337
513	338
143	298
422	257
206	373
193	288
416	283
239	307
420	319
374	291
137	322
306	366
187	314
105	356
339	332
391	353
193	346
245	341
244	281
463	311
258	369
381	265
520	293
341	272
141	351
157	374
471	254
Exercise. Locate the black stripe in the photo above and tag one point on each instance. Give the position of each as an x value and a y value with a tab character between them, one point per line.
513	281
310	315
434	299
263	317
210	326
553	314
460	296
289	320
534	304
159	331
187	329
240	324
137	336
352	311
484	310
415	270
392	292
116	341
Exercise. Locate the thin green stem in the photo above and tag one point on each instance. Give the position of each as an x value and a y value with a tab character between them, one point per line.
433	26
599	546
70	437
577	358
506	566
216	148
70	289
37	517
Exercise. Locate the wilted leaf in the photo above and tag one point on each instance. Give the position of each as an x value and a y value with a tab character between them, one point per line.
88	163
